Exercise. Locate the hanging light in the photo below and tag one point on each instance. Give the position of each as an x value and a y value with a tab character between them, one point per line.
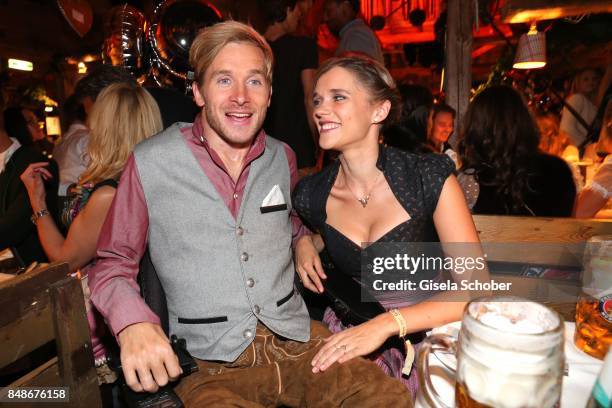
82	68
531	50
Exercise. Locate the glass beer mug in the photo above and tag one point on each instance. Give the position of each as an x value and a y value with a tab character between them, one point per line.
509	354
594	308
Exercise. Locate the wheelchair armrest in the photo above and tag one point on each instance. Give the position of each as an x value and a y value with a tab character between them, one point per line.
165	397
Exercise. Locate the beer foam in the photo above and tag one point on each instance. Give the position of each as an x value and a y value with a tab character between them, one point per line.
511	354
511	324
515	317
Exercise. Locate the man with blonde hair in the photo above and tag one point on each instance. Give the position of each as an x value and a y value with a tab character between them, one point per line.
212	202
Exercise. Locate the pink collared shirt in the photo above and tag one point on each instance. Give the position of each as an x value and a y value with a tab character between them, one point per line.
123	237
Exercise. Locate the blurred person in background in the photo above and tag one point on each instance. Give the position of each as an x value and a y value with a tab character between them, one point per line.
23	125
410	131
295	61
124	115
552	141
16	230
583	100
557	143
343	20
70	152
441	127
498	150
598	191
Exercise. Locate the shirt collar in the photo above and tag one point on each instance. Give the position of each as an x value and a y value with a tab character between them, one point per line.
6	155
349	25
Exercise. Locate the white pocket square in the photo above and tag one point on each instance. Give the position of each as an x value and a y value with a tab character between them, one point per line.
274	201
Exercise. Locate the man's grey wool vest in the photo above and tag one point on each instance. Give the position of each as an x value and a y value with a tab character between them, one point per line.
220	274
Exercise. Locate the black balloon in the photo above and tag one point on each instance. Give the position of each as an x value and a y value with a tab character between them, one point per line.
124	39
175	25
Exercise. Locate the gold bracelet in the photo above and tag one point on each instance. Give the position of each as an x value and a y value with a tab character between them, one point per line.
401	322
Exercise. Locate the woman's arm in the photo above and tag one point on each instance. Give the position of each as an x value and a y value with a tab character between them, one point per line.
79	247
308	263
589	202
453	223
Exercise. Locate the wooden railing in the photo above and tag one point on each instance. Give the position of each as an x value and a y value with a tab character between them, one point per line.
43	306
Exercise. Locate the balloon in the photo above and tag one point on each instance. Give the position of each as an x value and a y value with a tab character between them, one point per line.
124	39
174	26
78	13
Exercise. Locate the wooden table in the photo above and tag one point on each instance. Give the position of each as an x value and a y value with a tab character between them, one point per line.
566	310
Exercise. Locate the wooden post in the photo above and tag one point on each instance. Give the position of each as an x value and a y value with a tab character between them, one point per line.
74	350
458	57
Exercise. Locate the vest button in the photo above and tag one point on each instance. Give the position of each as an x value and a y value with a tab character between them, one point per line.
256	309
235	196
239	231
250	282
248	333
244	257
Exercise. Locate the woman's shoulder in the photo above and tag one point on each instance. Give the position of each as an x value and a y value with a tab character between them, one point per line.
576	100
419	161
310	193
427	166
112	183
316	181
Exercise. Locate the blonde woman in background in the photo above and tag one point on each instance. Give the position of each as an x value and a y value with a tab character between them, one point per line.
583	99
552	141
122	116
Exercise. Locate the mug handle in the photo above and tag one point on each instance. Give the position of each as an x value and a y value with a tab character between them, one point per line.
440	342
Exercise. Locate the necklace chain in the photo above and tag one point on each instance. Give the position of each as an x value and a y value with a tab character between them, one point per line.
366	198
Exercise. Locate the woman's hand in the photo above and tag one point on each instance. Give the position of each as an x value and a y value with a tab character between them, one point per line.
308	264
33	178
354	342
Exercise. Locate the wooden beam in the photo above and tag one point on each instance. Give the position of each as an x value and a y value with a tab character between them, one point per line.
526	11
494	228
458	57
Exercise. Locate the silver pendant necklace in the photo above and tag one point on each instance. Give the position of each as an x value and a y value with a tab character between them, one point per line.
366	198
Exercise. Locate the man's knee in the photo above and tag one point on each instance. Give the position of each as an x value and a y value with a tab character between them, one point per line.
376	387
318	330
215	397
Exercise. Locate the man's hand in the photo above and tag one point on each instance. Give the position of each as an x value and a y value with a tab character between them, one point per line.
147	358
308	264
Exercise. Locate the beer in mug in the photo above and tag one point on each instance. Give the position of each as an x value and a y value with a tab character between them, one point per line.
509	354
594	308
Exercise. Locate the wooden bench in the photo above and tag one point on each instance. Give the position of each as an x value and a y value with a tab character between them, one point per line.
39	307
544	241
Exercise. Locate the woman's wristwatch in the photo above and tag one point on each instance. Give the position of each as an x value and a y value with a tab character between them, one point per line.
38	214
